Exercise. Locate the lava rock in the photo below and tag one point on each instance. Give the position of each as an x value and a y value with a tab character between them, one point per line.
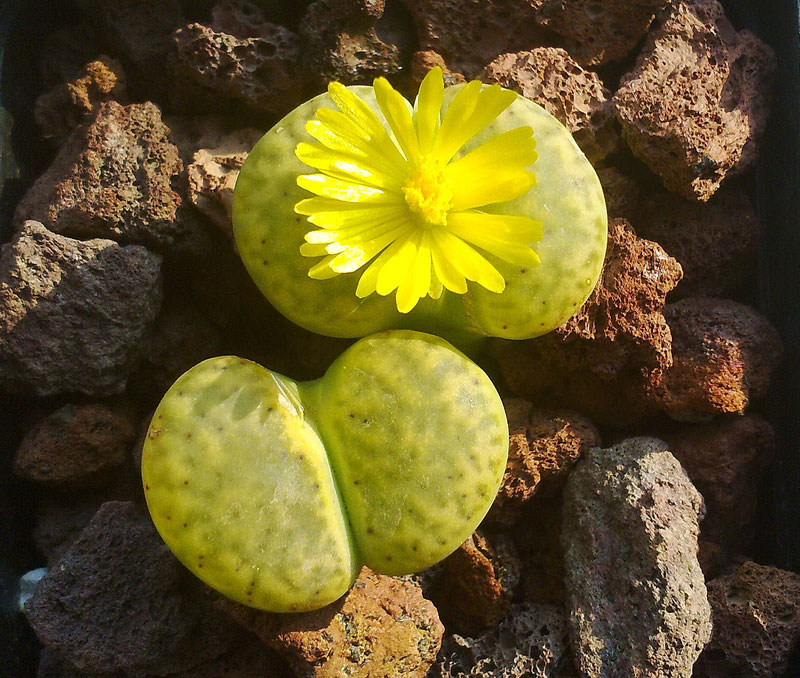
77	445
637	594
342	43
716	243
532	640
726	460
616	344
599	33
471	33
243	57
116	178
756	623
696	102
72	313
421	62
120	601
723	356
212	176
381	627
479	581
623	194
64	107
543	446
549	77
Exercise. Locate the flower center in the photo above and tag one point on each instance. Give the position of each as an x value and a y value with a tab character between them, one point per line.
428	193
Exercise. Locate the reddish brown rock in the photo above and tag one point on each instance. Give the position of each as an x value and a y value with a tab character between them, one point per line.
120	601
723	355
596	33
543	446
77	445
726	460
696	103
213	172
479	581
756	623
421	62
114	178
577	98
341	43
381	627
716	243
622	193
468	34
243	57
73	313
60	110
616	344
537	536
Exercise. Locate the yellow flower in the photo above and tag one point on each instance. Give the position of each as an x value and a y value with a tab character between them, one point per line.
402	201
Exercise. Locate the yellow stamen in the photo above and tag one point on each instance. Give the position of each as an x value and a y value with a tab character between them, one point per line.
428	192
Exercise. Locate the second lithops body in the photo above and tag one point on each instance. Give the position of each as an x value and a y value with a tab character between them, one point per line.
276	493
440	217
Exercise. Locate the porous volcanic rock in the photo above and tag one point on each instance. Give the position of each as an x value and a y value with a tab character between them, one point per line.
622	193
468	34
636	592
532	640
77	445
696	102
723	356
241	56
479	581
577	98
756	623
716	243
213	172
616	344
61	109
421	62
597	33
543	446
726	460
120	601
381	627
341	43
116	178
537	535
73	313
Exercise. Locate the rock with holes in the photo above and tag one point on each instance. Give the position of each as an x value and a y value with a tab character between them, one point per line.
61	109
716	243
243	57
756	623
622	193
478	583
636	593
116	178
73	313
468	34
543	446
530	641
724	354
76	445
119	601
343	44
617	343
697	100
726	460
421	62
597	32
577	98
380	627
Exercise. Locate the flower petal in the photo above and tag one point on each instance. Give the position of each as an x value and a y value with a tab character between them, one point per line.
468	262
355	256
515	148
428	108
471	110
348	167
448	274
489	186
394	270
512	246
346	191
369	278
395	110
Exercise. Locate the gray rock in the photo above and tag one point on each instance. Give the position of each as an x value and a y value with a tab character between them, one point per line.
120	601
73	314
637	594
530	642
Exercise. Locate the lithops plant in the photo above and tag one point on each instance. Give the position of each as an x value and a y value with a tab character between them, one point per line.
275	493
472	211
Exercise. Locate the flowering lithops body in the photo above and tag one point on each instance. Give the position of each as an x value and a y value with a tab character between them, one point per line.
276	493
472	212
